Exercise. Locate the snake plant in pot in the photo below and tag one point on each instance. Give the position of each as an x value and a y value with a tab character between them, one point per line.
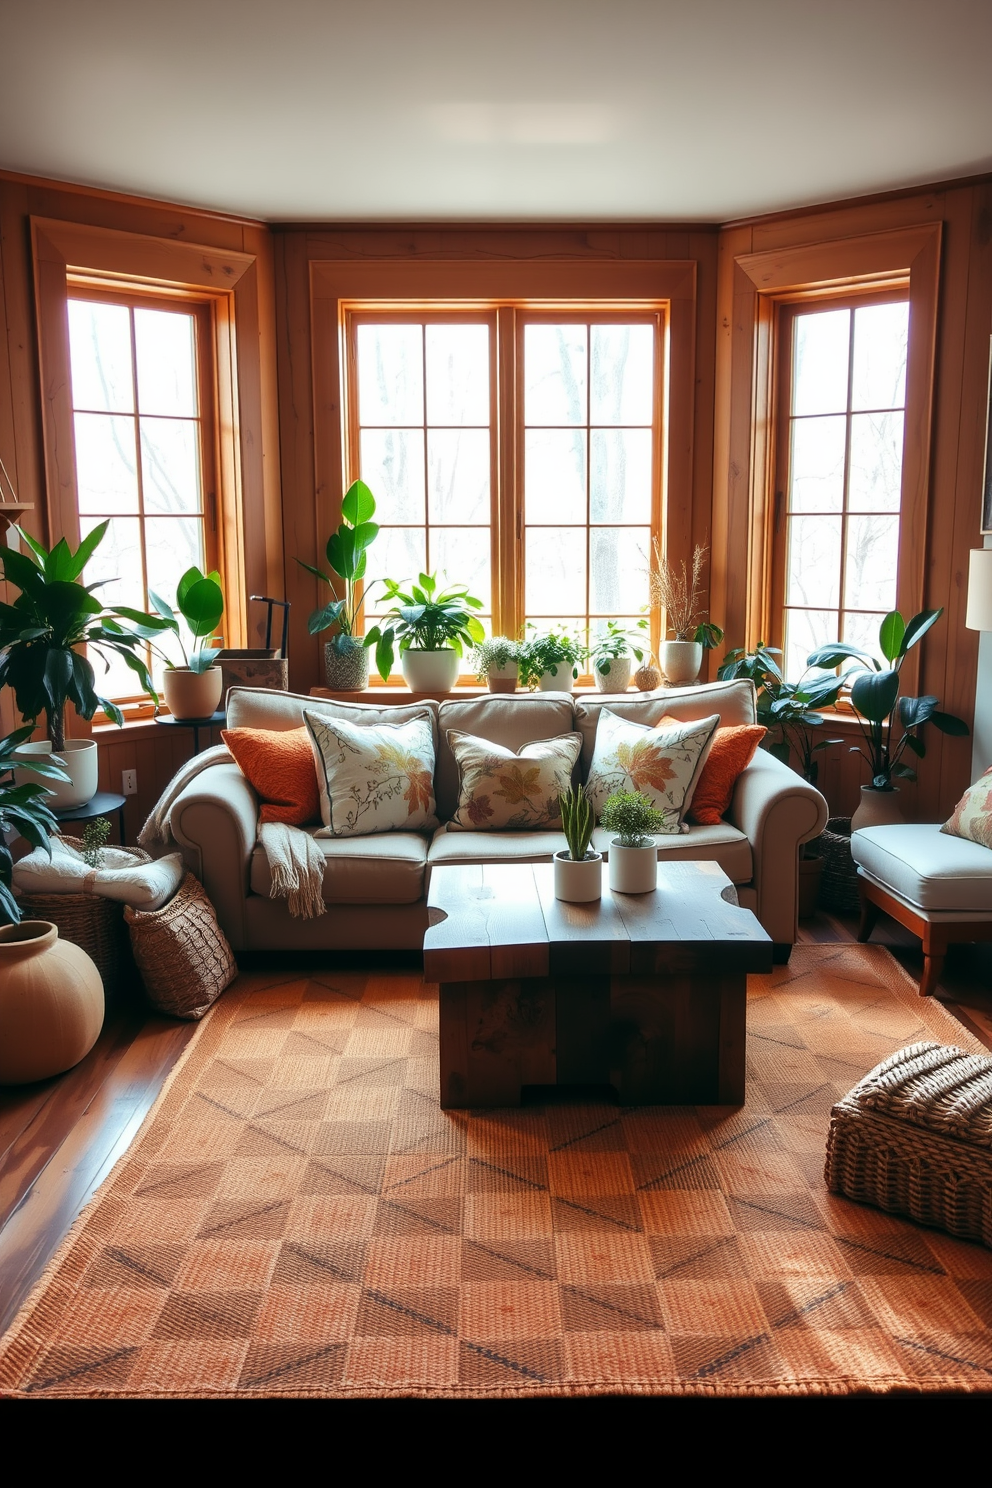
193	690
346	657
578	869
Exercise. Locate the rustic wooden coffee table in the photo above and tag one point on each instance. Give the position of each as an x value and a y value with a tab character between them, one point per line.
644	992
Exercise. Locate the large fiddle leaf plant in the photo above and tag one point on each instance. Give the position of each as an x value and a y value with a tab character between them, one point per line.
347	555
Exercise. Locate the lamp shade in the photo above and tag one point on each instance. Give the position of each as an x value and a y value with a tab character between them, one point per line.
979	612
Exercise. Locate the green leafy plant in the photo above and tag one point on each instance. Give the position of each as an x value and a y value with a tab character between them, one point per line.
493	654
200	601
53	626
614	643
347	555
788	710
876	701
577	821
546	652
95	835
631	816
426	619
23	812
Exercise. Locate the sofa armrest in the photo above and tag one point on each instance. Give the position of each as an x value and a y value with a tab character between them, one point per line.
778	811
215	822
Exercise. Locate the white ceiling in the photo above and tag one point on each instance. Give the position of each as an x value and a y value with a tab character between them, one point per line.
691	110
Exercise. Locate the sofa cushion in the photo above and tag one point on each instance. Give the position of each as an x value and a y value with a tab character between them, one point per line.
662	764
500	788
510	719
972	816
264	708
373	777
387	868
731	751
926	867
278	763
734	701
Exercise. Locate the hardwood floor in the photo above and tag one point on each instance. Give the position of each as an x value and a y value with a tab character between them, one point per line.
60	1138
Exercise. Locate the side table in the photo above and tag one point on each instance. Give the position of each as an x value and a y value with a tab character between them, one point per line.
196	724
102	804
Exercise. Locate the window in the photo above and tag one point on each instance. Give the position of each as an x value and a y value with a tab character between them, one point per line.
840	471
142	447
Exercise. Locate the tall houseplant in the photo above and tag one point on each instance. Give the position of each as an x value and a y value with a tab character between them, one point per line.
788	710
346	660
431	628
193	690
24	811
676	591
47	636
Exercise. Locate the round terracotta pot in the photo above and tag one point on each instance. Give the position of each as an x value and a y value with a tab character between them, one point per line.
878	808
633	870
578	882
504	678
51	1003
192	694
429	671
680	661
617	679
78	757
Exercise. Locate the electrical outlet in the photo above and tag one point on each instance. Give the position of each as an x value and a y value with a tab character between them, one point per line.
129	782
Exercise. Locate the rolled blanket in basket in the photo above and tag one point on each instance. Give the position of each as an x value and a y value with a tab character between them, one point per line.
120	876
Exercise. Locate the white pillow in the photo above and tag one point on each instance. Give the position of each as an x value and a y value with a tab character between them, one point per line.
373	777
120	876
662	763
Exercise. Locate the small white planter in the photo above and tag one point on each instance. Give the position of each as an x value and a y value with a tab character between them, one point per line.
78	758
680	661
429	671
633	870
560	680
617	679
578	882
504	678
192	694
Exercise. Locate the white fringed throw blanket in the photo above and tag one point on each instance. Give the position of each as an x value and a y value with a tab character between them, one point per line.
296	863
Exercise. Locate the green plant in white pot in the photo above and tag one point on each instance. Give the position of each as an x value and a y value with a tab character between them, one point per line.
611	654
633	853
346	657
496	662
193	690
550	660
578	869
431	628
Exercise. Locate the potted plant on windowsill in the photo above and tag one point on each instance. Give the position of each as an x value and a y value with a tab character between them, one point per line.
611	654
46	638
633	854
496	662
578	869
550	661
431	628
676	591
346	657
194	689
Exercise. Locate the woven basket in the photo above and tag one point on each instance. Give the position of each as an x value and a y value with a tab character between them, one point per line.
93	923
839	880
182	953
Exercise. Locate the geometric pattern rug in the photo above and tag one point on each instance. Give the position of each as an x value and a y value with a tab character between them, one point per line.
298	1218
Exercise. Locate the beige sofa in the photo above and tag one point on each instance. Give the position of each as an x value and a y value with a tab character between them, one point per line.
375	887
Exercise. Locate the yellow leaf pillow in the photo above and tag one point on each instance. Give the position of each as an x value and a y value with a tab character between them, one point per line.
500	789
373	777
662	763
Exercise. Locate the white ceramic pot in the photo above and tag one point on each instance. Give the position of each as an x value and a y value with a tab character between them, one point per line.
504	678
192	694
51	1003
617	679
578	882
680	661
633	870
878	808
429	671
79	760
560	680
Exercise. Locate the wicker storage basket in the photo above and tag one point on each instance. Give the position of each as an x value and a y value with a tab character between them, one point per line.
93	923
913	1138
182	953
839	880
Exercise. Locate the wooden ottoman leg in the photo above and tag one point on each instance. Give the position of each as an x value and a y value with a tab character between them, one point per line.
935	941
870	912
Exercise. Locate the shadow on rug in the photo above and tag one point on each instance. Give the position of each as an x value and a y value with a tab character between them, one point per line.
299	1218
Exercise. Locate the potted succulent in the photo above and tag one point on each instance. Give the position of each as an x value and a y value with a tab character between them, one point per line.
24	811
578	869
496	662
346	657
549	661
194	689
610	654
46	639
633	855
431	628
676	591
876	701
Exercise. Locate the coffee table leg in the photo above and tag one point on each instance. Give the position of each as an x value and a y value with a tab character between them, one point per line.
678	1040
494	1038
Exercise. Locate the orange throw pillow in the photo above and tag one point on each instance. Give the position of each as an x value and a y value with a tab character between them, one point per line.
279	764
731	752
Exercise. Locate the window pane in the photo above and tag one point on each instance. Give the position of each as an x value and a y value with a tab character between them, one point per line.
620	475
862	630
618	569
166	352
881	340
461	555
393	469
817	468
106	475
876	462
458	475
457	374
872	558
804	631
821	357
390	374
172	545
555	570
398	553
555	475
170	465
555	374
100	353
117	559
813	564
622	374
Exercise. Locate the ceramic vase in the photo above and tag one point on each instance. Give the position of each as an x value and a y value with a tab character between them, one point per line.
878	808
429	671
504	678
192	694
617	679
680	661
51	1003
578	882
346	664
78	757
560	680
633	870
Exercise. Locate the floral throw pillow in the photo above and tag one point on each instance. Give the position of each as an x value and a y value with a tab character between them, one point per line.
972	816
663	763
500	789
372	777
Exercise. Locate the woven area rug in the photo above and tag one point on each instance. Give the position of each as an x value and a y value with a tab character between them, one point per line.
298	1217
